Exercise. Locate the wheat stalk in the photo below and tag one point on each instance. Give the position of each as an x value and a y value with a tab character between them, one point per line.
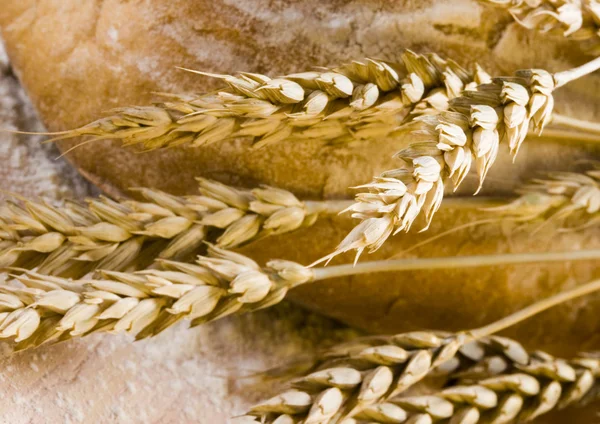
119	235
575	19
37	308
585	131
446	146
352	377
503	384
364	99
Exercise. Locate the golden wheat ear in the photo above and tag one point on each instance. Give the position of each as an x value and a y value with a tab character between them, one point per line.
448	145
41	308
364	99
353	378
117	235
496	379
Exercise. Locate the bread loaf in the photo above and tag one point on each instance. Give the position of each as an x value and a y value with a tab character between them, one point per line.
80	59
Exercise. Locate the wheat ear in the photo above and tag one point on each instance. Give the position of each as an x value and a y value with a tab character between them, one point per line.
41	308
575	19
119	235
559	197
504	383
37	308
364	99
568	197
354	376
444	149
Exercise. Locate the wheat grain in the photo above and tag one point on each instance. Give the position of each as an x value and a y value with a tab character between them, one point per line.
364	99
352	377
503	384
446	146
36	308
561	197
74	240
574	19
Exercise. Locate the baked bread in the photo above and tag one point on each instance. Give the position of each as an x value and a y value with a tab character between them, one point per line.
78	60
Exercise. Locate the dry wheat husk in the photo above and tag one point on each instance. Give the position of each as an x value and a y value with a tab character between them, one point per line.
36	308
123	235
575	19
364	99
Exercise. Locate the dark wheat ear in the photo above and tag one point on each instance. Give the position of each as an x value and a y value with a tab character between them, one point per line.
446	146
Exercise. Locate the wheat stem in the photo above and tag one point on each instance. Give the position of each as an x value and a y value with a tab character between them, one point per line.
570	136
326	207
535	309
577	124
564	77
452	262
